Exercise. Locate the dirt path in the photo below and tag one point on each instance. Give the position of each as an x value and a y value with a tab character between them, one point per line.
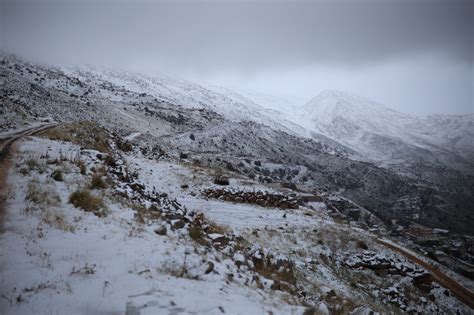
6	143
463	294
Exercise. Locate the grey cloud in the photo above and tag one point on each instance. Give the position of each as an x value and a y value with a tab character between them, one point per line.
425	47
240	36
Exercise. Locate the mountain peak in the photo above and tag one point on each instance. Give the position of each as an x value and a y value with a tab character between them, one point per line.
334	100
348	117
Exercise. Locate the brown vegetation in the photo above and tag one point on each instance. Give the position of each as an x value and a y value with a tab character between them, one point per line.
86	134
97	182
86	201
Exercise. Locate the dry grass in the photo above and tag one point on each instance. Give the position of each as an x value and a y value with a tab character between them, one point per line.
124	145
177	269
197	234
110	161
143	214
82	167
97	182
32	164
86	134
41	196
43	202
282	271
213	227
86	201
57	220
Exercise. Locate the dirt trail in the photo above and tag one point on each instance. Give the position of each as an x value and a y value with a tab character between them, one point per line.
461	293
6	143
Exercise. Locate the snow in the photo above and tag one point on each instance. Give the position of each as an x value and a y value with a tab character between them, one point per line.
105	265
132	136
376	131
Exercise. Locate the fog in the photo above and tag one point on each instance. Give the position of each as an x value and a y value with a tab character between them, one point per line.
414	56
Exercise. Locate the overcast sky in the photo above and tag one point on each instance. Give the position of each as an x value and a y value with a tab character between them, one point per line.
415	55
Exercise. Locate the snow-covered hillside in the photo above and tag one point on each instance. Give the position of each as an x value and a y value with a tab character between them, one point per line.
383	134
200	188
188	94
143	238
334	139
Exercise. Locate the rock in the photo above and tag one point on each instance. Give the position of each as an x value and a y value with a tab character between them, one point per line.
423	282
331	294
161	230
137	187
179	224
276	285
218	238
221	180
210	267
239	199
172	216
309	311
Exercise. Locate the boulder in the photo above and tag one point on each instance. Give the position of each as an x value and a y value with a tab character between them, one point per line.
239	199
161	230
179	224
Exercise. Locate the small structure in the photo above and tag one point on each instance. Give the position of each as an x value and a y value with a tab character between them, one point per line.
419	231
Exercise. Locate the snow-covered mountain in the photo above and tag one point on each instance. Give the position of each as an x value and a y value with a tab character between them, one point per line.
319	146
188	94
383	134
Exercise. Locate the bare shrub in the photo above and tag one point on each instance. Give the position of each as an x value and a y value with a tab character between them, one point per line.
86	201
82	167
97	182
110	161
32	164
196	234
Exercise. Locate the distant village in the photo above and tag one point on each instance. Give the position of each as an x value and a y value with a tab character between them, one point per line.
450	249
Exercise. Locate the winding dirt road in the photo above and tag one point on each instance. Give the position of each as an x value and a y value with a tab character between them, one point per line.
6	142
461	293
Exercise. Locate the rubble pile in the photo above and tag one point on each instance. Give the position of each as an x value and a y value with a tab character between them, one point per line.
260	198
383	266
